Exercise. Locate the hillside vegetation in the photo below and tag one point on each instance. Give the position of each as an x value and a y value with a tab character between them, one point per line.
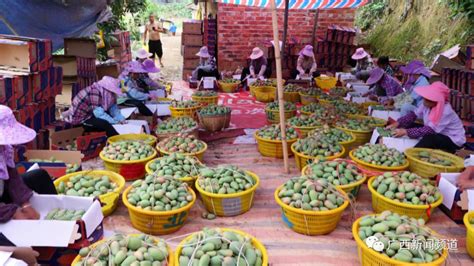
408	29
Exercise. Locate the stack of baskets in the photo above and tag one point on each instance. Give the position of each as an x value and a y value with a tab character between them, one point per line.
130	170
264	93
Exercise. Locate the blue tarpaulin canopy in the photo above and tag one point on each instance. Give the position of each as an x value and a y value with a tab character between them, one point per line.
51	19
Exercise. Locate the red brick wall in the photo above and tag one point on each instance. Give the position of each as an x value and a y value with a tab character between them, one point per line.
241	28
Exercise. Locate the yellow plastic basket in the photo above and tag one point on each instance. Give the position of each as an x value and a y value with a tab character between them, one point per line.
381	203
311	222
429	170
377	121
469	233
293	97
255	242
307	99
229	204
370	257
361	136
265	94
352	188
273	116
302	159
198	154
109	200
303	131
326	83
130	170
187	179
272	148
179	112
147	139
377	168
228	87
170	258
205	100
157	222
348	145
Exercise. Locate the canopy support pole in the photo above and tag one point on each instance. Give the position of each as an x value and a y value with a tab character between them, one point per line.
279	84
285	31
315	27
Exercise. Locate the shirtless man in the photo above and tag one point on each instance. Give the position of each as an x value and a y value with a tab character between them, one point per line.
154	42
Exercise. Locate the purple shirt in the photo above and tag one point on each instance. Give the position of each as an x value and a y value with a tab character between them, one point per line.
449	125
14	195
391	86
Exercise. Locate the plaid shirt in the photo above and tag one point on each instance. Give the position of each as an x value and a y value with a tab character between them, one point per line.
86	101
391	86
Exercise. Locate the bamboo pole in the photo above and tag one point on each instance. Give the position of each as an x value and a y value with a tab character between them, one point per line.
315	27
279	84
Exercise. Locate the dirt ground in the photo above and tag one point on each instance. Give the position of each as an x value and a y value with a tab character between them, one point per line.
172	59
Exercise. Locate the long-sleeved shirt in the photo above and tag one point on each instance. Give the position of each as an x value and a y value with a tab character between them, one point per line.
387	87
207	65
364	64
15	193
113	115
421	81
86	101
389	70
258	66
306	64
449	125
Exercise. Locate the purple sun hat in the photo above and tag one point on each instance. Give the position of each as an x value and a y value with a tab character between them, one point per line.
12	132
143	54
422	71
414	64
375	76
307	51
136	67
110	84
359	54
149	66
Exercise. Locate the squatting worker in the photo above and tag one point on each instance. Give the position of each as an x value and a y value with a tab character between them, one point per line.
442	128
154	41
258	67
95	107
16	190
364	64
306	65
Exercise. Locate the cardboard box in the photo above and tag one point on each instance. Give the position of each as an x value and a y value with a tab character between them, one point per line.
68	64
192	40
83	47
56	169
400	144
7	93
191	63
89	145
192	27
189	52
112	70
18	55
455	203
385	114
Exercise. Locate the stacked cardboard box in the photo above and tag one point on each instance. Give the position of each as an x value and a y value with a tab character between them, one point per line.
334	51
123	52
461	82
210	36
470	57
29	82
191	40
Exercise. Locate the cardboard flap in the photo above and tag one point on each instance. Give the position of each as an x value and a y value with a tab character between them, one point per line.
447	187
65	137
127	112
385	115
68	63
129	129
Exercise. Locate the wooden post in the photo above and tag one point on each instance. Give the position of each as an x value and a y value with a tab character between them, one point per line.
315	27
285	31
279	84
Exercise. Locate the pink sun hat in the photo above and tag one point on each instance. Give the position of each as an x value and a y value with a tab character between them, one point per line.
12	132
414	64
375	76
359	54
135	67
110	84
256	53
143	54
307	51
149	66
203	52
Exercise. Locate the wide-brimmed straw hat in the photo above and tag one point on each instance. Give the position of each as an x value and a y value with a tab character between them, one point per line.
359	54
414	64
12	132
307	51
375	76
135	67
203	52
110	84
256	53
149	66
143	54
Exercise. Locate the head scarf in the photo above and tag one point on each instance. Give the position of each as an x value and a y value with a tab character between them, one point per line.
436	92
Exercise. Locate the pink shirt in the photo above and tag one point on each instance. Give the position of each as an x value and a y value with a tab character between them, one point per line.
449	125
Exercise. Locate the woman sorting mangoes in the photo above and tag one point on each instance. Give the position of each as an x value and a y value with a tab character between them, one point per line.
383	86
95	107
258	68
15	190
442	128
306	65
364	64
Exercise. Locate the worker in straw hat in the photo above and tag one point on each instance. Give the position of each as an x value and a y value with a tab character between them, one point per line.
207	65
95	107
364	64
142	55
442	128
383	86
306	64
139	88
16	190
258	66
